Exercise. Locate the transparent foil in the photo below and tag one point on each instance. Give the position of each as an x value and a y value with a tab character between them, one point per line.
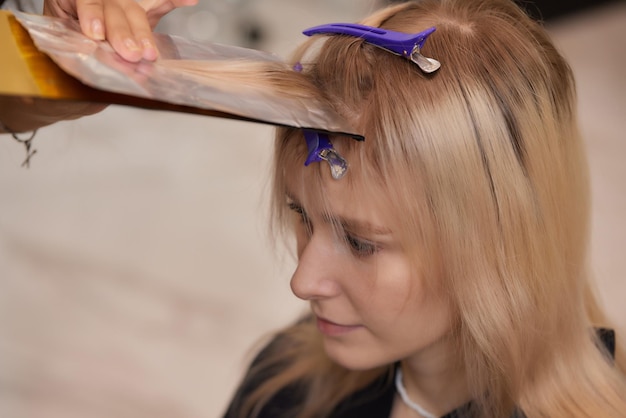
190	74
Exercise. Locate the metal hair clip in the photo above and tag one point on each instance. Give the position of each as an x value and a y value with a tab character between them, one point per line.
404	44
321	149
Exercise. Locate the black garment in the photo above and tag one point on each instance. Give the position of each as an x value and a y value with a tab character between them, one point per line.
374	401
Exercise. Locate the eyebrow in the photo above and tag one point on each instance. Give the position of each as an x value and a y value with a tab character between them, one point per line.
358	225
347	224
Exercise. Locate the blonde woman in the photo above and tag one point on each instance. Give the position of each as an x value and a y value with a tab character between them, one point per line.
447	268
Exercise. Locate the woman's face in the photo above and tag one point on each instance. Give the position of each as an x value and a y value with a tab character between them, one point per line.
371	303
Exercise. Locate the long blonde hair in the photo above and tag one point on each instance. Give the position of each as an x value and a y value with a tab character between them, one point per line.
484	163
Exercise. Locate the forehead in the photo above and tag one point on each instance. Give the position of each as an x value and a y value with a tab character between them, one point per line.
355	195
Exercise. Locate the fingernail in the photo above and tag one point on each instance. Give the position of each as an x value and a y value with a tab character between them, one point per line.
149	50
131	45
97	30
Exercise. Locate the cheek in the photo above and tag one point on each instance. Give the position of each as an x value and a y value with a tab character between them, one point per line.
385	288
429	314
302	235
400	281
396	291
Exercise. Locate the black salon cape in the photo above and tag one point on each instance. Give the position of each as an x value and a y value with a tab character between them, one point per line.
375	401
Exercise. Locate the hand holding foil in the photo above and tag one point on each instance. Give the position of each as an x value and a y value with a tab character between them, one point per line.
126	24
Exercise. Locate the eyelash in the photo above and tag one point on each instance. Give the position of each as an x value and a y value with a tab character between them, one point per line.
300	211
359	247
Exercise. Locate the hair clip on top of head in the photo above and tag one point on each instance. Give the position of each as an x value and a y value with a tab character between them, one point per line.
321	149
404	44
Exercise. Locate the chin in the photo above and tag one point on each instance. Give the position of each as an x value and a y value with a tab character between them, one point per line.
353	359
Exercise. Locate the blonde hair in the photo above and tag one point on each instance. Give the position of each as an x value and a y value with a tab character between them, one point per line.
247	76
484	162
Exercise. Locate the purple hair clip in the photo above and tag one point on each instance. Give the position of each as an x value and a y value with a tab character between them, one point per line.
404	44
321	149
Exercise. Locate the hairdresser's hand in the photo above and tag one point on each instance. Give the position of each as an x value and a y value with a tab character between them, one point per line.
126	24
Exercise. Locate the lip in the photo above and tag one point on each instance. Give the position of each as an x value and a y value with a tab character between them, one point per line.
333	329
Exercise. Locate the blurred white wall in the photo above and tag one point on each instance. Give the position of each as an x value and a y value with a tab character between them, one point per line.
135	269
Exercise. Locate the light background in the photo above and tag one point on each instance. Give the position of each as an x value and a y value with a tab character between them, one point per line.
136	273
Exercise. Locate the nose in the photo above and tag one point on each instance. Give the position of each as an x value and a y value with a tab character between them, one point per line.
315	277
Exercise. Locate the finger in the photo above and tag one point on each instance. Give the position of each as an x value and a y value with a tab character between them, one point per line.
180	3
60	8
142	32
91	18
120	34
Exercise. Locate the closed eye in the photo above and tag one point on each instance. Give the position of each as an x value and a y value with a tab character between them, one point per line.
293	206
361	247
304	218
